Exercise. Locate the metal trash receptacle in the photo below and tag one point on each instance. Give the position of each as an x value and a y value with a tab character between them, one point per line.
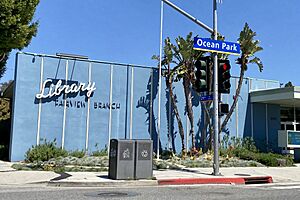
143	159
121	159
297	155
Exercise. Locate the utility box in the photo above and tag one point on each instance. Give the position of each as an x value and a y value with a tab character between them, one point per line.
143	159
121	159
297	155
289	138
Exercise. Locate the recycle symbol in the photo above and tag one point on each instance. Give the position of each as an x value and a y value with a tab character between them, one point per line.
144	153
126	154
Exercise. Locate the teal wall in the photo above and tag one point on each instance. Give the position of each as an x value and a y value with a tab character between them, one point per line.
28	128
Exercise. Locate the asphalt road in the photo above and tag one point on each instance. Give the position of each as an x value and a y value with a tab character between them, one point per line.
205	192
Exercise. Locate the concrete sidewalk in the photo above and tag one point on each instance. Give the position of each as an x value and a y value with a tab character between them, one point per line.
6	166
234	175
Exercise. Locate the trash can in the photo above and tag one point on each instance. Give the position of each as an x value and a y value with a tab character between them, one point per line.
121	159
297	155
143	159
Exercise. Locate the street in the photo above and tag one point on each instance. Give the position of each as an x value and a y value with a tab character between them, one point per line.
232	192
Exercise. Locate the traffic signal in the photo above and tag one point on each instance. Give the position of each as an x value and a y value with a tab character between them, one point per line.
224	76
223	108
202	74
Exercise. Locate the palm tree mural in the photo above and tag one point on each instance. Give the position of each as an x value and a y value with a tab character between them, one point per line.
146	102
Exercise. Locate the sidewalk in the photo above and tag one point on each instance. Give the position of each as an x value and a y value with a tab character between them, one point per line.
234	175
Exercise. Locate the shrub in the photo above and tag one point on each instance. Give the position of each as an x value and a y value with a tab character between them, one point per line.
245	149
99	153
44	152
166	154
268	159
77	153
249	144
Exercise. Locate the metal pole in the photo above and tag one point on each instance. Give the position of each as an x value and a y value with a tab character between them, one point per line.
237	113
131	103
295	120
159	75
189	16
88	114
216	96
40	103
110	104
267	128
151	105
65	109
170	138
126	103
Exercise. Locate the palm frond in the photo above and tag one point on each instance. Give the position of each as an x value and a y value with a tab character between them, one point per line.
257	61
249	47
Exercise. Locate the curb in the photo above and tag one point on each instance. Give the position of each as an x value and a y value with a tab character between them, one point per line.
121	183
218	180
258	180
174	181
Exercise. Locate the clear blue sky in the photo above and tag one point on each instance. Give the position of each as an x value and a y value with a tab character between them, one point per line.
127	31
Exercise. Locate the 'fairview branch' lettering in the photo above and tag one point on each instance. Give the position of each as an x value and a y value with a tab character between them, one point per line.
59	88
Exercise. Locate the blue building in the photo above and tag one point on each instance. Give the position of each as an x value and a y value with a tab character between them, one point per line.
82	104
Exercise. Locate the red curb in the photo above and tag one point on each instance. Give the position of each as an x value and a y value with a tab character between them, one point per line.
185	181
258	179
217	180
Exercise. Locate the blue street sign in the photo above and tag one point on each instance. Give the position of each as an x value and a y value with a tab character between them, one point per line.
206	44
206	98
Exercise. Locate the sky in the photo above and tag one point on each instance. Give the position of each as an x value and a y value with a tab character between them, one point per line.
128	31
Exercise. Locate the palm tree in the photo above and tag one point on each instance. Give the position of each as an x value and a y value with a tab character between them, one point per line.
249	46
182	57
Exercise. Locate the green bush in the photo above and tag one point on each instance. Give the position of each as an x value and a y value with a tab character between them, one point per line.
245	149
44	152
268	159
100	153
77	153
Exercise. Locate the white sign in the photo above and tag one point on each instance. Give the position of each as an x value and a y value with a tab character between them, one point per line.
58	88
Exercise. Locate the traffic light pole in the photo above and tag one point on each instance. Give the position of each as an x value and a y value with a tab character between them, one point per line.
215	77
216	96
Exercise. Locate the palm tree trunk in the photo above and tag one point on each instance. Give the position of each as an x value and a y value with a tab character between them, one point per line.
179	121
207	124
235	99
189	107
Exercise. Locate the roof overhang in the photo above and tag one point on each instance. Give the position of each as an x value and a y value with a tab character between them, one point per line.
288	96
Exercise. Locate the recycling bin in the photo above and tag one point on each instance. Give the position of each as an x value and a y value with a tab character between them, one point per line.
121	159
143	159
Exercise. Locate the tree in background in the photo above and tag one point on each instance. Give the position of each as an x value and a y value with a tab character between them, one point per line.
289	84
5	122
249	47
4	85
4	102
16	27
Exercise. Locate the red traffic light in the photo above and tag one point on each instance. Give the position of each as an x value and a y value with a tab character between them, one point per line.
224	76
226	67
